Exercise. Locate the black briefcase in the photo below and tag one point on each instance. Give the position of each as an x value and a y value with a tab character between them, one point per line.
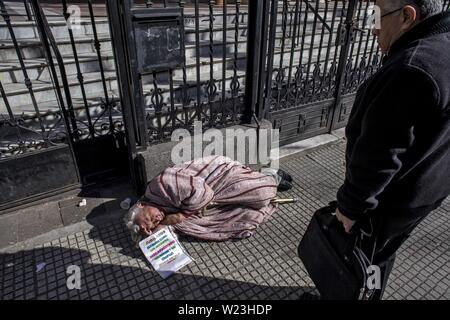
332	258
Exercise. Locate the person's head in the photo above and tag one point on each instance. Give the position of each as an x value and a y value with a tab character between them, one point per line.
399	16
141	219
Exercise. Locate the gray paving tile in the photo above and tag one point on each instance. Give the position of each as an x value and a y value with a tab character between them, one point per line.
9	225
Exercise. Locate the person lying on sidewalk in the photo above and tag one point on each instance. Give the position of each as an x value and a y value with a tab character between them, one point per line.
212	198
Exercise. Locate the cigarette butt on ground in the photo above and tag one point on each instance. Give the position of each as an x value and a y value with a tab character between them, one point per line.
284	201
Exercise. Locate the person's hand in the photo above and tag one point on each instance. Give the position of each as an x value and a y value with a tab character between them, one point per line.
172	219
346	222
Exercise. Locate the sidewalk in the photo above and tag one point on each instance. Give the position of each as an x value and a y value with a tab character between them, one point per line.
265	266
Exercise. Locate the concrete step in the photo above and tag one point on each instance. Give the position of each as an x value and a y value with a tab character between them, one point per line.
19	95
32	48
59	28
37	69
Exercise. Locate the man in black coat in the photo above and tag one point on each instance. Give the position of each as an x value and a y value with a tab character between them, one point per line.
398	134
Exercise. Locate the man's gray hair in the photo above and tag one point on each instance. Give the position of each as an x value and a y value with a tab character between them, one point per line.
426	8
129	220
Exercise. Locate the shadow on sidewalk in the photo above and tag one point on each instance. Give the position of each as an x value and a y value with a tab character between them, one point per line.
20	279
106	226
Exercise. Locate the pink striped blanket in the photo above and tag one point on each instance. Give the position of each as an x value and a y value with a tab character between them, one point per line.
241	194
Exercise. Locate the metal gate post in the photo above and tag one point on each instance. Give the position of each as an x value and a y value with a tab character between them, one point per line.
268	40
349	28
256	47
267	88
134	133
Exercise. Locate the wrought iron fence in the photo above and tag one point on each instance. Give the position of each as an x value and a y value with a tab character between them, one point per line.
306	55
209	86
50	78
313	65
319	54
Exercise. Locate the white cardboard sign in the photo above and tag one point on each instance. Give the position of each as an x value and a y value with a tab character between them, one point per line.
164	252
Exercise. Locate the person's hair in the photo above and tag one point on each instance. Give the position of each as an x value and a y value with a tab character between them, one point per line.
425	8
129	219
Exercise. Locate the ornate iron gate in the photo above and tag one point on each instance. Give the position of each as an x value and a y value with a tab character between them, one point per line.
203	83
60	124
313	55
318	52
180	63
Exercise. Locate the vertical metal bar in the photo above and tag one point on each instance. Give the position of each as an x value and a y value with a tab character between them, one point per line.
319	55
79	73
127	98
350	75
270	53
309	83
27	10
341	21
235	81
260	108
336	50
185	99
322	34
27	81
283	36
349	24
224	57
254	42
358	52
173	110
293	42
138	105
281	73
362	73
97	45
302	45
299	26
313	37
197	58
211	83
372	49
158	104
330	39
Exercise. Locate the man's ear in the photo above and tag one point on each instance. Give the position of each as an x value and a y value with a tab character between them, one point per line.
409	17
